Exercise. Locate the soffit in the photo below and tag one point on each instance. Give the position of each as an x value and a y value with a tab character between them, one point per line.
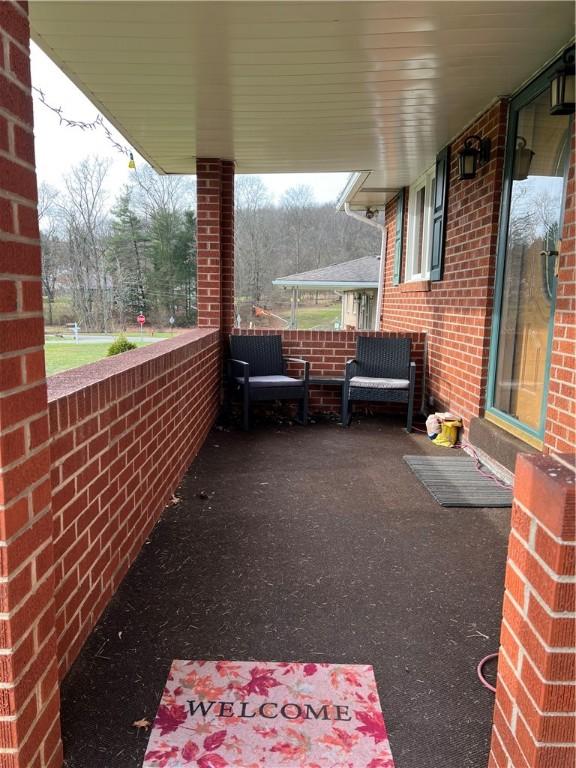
298	87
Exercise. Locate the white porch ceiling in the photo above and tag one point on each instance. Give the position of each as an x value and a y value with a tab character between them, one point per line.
298	87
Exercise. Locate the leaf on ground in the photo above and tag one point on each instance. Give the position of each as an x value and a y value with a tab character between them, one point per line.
143	723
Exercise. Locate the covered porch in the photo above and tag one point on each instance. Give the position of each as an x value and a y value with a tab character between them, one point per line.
260	559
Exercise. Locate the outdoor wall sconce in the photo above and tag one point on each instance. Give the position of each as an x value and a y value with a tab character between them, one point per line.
522	159
471	157
562	86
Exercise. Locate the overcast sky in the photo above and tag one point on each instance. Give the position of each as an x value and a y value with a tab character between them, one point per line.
58	147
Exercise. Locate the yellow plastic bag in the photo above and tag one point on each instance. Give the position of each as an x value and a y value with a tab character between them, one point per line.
448	433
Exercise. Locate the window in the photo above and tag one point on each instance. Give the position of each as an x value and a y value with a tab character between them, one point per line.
420	205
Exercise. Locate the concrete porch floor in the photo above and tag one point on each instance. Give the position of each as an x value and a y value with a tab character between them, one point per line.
315	544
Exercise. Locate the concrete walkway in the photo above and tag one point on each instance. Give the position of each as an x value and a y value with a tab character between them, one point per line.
313	544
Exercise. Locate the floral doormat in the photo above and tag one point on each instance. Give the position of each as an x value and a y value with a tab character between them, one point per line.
247	714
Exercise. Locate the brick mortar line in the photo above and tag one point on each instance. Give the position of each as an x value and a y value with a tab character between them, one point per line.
545	744
549	649
29	561
21	352
34	723
497	704
15	316
8	36
531	660
557	539
9	75
10	614
9	237
15	158
558	578
502	746
531	590
24	457
5	543
13	685
527	692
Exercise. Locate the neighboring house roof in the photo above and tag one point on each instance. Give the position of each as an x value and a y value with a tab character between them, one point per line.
358	273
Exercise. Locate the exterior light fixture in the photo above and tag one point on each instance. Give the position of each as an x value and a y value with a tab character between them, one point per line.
522	159
562	86
471	157
371	212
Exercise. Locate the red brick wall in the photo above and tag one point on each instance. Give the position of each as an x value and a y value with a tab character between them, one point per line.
456	311
123	431
327	352
561	414
215	242
535	692
29	699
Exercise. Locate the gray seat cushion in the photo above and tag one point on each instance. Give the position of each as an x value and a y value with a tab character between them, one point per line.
368	382
261	382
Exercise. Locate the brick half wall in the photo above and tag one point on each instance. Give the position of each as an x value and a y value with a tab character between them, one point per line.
535	690
122	434
327	353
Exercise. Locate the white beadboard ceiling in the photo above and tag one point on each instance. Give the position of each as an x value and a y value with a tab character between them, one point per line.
298	87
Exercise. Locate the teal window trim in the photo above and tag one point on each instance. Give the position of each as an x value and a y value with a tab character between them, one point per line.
532	90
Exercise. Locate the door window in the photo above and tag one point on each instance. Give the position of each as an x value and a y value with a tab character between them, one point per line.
525	304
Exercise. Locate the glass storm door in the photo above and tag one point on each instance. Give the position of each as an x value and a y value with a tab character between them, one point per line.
537	157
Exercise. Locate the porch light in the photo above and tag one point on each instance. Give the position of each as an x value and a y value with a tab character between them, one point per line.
562	86
522	159
471	157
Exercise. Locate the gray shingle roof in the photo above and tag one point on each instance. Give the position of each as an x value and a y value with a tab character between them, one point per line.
357	272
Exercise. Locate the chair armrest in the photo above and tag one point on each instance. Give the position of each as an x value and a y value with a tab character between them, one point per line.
350	369
303	362
233	366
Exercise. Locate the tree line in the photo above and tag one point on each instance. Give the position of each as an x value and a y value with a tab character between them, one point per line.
114	258
110	258
294	236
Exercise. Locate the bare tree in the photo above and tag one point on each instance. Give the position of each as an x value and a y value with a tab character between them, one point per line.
51	245
84	209
296	204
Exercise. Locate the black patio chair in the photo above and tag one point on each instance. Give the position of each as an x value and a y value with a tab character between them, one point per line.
380	372
257	370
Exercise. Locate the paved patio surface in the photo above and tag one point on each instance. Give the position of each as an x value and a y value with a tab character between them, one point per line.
315	544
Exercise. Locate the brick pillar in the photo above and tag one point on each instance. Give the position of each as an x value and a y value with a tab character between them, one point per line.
215	242
535	691
29	695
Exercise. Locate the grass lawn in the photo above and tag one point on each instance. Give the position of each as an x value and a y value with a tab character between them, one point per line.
63	355
310	317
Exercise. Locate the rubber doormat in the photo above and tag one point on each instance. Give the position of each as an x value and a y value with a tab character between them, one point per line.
454	481
248	714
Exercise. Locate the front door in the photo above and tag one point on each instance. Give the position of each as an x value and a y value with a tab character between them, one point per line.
538	152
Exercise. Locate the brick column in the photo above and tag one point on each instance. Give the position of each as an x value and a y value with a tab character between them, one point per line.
29	695
535	691
215	242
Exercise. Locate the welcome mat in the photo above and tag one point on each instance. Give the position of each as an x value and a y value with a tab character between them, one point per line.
247	714
455	481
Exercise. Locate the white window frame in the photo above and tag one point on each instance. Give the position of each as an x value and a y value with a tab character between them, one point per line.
426	182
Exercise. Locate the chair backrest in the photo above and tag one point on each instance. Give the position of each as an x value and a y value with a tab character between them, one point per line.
262	353
383	358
